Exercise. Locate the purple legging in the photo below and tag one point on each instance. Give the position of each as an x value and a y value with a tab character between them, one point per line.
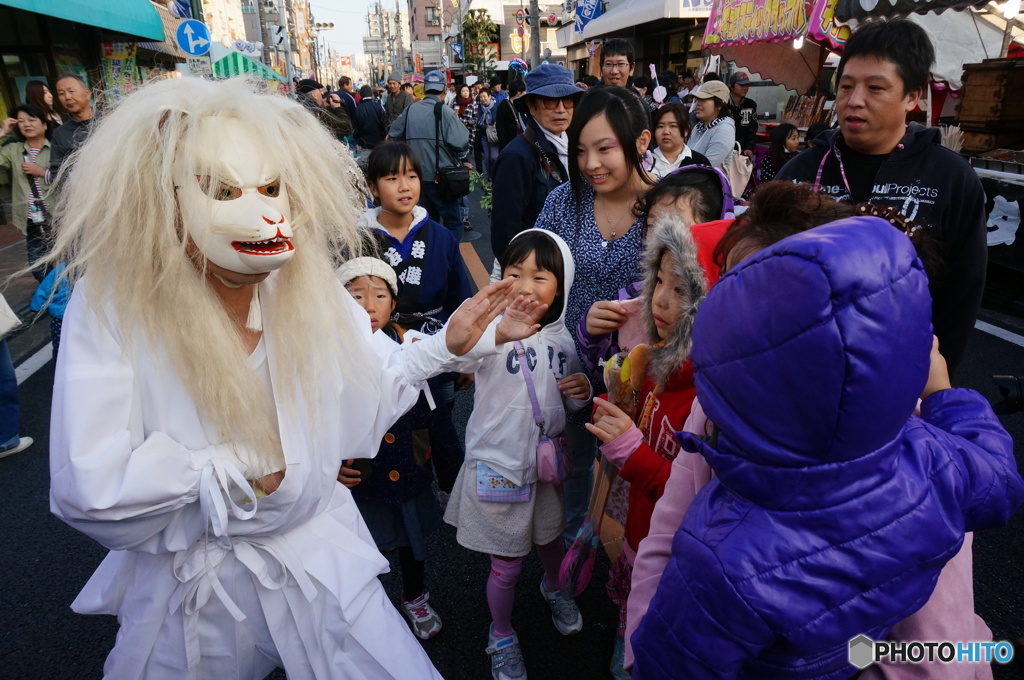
501	584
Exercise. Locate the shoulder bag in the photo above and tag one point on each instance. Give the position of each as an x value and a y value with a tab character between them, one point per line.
554	464
452	182
737	168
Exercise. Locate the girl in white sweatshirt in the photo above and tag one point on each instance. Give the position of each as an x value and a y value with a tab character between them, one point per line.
501	449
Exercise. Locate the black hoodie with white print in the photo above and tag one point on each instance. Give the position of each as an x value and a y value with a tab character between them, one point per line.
937	189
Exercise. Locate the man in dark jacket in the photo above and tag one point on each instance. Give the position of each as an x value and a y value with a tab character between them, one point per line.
398	99
348	102
536	161
369	119
310	94
743	110
876	157
506	119
74	96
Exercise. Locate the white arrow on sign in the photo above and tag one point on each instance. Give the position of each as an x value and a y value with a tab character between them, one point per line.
193	42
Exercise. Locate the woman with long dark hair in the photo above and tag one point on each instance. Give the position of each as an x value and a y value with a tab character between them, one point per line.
38	95
594	213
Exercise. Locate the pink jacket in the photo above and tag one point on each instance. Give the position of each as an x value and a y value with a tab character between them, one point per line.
948	614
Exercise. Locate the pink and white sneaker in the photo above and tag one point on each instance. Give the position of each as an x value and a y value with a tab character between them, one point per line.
425	621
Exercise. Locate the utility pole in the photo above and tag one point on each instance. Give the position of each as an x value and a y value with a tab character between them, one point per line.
534	34
401	43
286	7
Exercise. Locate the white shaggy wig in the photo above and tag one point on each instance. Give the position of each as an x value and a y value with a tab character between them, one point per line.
118	225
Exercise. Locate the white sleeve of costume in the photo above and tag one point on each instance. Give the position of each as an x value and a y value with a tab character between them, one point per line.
404	370
109	478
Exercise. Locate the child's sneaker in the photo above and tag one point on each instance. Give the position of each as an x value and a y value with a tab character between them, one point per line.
425	621
564	612
506	657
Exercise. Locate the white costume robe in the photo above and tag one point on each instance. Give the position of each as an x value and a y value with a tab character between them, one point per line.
203	584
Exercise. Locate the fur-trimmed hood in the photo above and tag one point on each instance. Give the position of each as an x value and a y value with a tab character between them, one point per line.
692	250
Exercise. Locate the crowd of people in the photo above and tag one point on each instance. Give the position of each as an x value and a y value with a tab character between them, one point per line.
260	355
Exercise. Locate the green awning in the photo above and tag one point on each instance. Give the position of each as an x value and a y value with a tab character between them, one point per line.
236	64
137	18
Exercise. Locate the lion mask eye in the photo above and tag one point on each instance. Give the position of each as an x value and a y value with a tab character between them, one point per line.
271	190
223	190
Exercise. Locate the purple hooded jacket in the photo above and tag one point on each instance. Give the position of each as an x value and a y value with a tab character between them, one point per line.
833	508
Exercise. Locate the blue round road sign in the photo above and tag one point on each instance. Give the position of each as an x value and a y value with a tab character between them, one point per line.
193	37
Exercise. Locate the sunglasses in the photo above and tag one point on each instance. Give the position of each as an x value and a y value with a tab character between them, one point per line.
551	103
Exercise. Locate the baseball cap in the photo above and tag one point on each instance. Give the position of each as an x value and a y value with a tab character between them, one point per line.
434	82
739	78
712	88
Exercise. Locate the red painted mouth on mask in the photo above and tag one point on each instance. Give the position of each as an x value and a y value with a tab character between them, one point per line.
271	246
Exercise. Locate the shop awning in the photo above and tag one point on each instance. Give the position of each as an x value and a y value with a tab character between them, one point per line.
237	64
170	23
629	13
863	9
137	18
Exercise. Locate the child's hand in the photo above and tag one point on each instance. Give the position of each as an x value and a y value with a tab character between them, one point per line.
605	316
519	320
463	381
349	476
938	373
575	386
610	421
469	321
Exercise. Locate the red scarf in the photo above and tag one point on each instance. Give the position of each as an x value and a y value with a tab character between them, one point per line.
462	103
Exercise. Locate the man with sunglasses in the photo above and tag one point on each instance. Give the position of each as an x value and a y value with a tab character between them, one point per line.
536	161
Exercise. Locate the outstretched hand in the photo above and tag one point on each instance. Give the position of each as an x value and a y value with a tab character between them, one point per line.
519	320
469	321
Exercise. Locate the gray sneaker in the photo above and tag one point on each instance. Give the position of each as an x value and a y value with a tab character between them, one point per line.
506	657
564	612
425	621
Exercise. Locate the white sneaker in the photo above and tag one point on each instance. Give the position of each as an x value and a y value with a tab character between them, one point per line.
506	657
564	612
22	444
425	621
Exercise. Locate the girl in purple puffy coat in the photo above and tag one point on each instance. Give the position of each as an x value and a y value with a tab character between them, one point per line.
833	508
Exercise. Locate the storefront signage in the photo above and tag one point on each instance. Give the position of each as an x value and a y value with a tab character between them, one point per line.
520	40
586	11
744	21
824	28
200	67
119	74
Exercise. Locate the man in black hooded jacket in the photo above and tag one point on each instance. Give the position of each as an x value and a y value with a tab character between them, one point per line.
876	157
369	119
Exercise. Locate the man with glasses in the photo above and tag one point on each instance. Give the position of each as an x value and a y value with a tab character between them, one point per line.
617	62
536	161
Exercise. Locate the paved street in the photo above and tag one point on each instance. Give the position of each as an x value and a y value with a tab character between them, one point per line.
45	563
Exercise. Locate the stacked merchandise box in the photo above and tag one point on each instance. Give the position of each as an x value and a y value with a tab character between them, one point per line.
991	107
